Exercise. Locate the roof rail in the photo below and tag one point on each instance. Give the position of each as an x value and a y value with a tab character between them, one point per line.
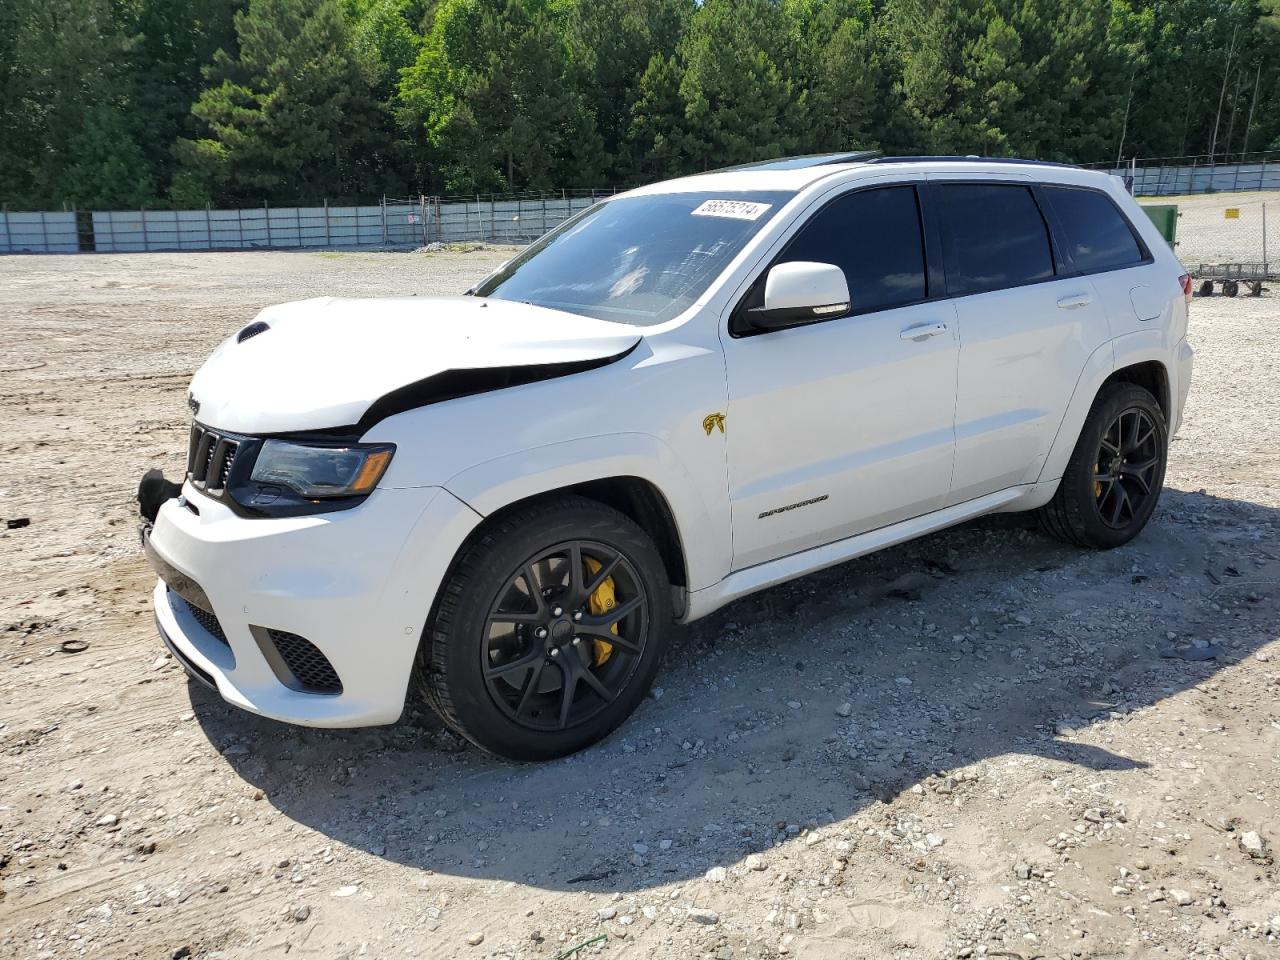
969	159
801	163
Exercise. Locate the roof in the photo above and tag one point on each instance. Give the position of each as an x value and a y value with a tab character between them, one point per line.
796	173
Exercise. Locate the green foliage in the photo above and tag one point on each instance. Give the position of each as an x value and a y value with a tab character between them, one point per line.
109	103
739	103
172	42
609	48
68	135
293	116
838	59
491	91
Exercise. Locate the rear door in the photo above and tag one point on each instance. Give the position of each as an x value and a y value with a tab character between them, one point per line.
1027	325
843	426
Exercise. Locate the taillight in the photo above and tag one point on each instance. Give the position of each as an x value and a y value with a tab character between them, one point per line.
1185	280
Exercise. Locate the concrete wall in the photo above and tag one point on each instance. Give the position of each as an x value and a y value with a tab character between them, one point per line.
1161	181
38	232
128	231
381	226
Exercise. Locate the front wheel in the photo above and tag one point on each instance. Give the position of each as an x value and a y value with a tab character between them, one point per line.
548	629
1113	480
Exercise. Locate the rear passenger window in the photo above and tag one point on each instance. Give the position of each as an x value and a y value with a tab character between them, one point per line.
993	237
1097	234
874	236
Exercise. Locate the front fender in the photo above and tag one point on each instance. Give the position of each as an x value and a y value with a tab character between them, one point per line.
703	529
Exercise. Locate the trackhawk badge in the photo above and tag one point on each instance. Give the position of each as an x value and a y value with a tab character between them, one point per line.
193	403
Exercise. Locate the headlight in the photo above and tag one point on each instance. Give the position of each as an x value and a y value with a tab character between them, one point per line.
317	471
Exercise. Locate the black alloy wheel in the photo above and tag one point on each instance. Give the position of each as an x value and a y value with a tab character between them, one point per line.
1129	456
548	628
552	657
1112	482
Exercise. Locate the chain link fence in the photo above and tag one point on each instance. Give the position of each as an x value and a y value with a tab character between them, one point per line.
1230	238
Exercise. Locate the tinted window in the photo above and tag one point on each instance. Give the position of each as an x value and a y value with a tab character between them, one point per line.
993	236
1098	236
874	237
638	260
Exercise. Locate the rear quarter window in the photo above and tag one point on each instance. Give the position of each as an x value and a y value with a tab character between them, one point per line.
1098	236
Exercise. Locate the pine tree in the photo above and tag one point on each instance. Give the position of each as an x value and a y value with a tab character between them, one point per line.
656	131
836	59
739	104
64	108
610	44
174	39
292	116
491	91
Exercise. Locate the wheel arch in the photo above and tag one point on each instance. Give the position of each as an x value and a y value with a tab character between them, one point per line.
637	475
1137	358
1151	375
637	499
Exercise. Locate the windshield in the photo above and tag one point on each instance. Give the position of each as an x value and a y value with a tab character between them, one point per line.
639	260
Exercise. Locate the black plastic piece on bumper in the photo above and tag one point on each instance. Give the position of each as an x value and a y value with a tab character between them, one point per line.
176	580
192	670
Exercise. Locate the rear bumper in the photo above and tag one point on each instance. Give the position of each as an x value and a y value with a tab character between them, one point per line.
357	585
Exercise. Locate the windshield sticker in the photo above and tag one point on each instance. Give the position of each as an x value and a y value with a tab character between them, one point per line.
733	209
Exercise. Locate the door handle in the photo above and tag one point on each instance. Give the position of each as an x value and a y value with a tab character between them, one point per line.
1075	300
922	331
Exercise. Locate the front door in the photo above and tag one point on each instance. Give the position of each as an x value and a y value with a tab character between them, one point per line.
843	426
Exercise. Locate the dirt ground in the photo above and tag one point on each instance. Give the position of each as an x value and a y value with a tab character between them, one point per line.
983	743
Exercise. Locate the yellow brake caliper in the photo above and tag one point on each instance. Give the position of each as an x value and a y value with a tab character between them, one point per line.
600	602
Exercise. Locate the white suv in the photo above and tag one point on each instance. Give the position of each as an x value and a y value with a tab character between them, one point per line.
692	391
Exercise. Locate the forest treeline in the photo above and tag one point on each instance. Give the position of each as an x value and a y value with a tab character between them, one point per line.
127	103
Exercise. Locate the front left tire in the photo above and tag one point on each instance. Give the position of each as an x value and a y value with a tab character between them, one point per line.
548	629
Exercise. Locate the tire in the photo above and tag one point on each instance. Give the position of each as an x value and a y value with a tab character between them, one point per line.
1230	288
493	680
1088	509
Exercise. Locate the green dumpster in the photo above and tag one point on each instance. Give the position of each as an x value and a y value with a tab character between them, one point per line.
1165	217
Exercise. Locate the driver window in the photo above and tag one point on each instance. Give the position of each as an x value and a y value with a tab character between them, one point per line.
875	237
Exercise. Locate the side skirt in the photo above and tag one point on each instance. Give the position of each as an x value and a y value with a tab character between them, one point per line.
773	572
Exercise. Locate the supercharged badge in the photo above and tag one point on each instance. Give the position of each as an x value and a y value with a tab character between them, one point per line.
793	506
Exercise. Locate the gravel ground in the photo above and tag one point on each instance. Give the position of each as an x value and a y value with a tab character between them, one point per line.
980	744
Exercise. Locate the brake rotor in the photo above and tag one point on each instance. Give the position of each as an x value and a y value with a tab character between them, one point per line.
600	602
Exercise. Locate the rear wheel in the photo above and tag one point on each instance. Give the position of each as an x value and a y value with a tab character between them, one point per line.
1113	480
548	630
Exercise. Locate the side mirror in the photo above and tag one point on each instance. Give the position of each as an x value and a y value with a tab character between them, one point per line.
799	293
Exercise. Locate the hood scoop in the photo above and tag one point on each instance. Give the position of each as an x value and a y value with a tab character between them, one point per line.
252	330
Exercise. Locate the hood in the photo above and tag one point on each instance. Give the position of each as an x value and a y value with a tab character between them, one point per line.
323	363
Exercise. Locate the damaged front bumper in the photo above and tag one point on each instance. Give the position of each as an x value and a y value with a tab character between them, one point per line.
309	620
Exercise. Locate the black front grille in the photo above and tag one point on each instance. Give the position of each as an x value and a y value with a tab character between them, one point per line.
310	668
206	620
210	456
